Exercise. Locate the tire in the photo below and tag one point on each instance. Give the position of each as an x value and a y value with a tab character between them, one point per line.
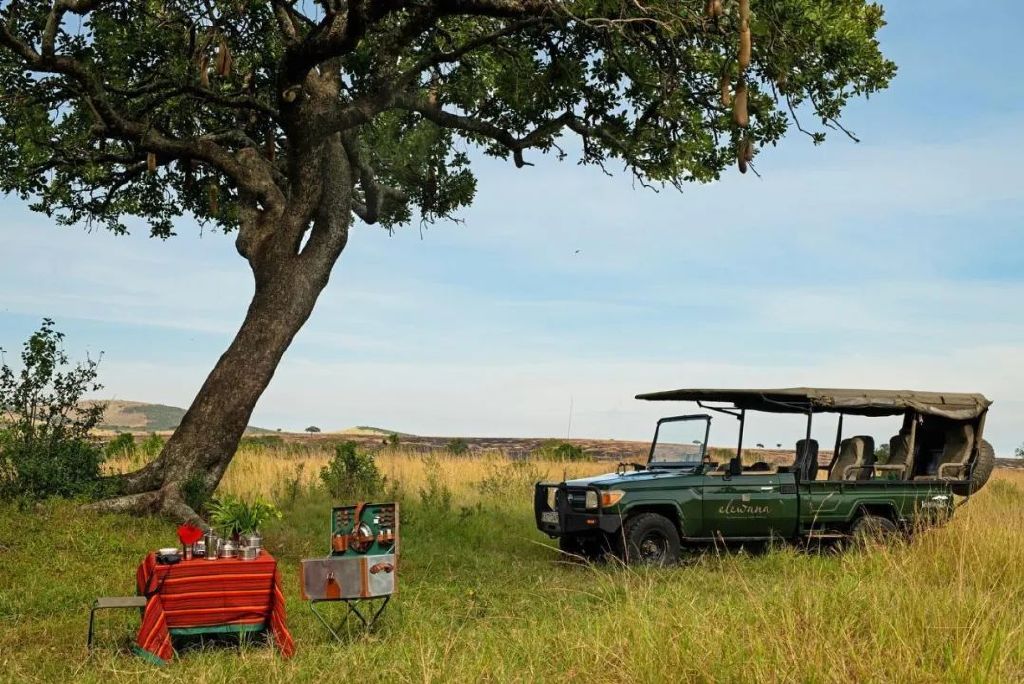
980	473
873	530
650	539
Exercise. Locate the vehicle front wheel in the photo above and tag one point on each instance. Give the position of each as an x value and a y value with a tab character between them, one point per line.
650	539
873	530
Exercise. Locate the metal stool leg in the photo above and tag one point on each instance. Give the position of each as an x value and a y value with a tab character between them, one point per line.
312	607
353	609
92	619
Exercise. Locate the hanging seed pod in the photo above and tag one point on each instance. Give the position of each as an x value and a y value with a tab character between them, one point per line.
151	162
744	14
204	72
739	105
748	149
224	59
744	56
185	167
213	199
724	90
271	146
744	154
713	10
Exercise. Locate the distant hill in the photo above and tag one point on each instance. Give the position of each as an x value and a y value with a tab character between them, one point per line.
137	416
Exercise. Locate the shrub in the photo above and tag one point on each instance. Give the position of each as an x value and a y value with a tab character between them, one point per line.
436	496
1019	452
45	443
289	489
457	446
509	478
556	450
152	446
352	474
121	446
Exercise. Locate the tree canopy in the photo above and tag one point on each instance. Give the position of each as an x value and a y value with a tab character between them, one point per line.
155	108
284	120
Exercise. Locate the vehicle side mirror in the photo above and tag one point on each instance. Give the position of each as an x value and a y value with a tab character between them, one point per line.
735	466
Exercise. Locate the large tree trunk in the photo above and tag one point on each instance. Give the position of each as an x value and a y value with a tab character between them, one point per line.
292	251
194	459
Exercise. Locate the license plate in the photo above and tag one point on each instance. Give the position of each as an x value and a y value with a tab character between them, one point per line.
549	517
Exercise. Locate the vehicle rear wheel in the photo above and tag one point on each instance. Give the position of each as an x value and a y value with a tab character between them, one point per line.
873	530
650	539
980	473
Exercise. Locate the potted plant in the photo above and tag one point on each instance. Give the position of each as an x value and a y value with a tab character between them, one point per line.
241	520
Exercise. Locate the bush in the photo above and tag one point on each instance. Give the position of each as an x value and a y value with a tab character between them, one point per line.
152	446
509	479
457	446
121	446
45	444
352	474
1019	452
556	450
436	496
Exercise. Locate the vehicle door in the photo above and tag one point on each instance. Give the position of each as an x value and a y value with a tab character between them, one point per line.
749	505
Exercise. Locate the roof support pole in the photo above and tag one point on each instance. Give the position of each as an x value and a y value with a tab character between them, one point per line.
908	474
807	447
739	446
839	441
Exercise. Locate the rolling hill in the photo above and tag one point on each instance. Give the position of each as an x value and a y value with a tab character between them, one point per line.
137	416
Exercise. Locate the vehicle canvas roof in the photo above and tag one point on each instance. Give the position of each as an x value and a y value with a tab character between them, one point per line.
863	402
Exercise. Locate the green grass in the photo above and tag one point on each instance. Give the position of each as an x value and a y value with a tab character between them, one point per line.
483	597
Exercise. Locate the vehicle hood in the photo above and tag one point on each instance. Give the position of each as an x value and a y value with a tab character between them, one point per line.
631	478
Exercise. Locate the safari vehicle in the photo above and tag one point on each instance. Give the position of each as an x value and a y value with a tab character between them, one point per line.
681	496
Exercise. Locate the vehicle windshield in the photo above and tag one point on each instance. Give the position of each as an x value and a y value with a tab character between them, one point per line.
680	441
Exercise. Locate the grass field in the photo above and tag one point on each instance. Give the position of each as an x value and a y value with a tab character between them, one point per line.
484	597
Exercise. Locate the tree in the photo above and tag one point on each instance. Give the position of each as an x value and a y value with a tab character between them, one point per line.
46	448
312	429
285	121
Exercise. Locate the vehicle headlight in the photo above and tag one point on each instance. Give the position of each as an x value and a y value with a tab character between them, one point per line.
611	497
591	499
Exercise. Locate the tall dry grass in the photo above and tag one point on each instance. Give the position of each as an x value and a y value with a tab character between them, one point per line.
261	471
485	597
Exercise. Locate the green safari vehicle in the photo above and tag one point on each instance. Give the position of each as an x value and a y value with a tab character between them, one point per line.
681	497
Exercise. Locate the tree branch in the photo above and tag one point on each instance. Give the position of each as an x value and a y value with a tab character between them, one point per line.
112	123
470	125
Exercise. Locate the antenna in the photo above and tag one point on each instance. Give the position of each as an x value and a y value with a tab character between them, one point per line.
568	430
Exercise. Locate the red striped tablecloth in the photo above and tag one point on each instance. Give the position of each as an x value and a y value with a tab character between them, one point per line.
201	596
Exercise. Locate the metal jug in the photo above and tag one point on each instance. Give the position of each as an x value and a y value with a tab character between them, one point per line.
212	542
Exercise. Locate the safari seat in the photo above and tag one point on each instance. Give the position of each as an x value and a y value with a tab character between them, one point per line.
899	454
806	463
855	455
956	452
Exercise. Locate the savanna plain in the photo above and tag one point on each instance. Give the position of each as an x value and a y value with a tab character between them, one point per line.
483	596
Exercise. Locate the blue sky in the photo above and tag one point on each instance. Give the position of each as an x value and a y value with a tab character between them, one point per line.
896	262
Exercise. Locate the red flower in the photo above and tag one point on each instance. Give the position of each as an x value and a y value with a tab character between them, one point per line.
189	533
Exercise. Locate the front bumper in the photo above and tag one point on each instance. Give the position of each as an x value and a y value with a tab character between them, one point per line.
560	510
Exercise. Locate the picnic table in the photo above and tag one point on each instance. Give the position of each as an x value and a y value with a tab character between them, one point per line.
200	596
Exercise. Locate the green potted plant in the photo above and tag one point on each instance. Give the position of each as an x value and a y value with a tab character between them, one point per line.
241	520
